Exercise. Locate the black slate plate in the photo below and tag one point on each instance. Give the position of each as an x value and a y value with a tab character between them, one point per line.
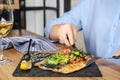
90	71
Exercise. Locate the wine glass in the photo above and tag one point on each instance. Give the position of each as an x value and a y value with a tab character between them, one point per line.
6	24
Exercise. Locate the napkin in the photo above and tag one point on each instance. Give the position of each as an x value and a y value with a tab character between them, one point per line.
21	43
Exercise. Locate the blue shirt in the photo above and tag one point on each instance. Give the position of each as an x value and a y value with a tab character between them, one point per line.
100	21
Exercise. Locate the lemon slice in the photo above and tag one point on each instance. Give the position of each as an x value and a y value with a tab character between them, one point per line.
26	65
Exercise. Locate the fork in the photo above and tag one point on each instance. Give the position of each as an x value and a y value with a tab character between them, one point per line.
113	57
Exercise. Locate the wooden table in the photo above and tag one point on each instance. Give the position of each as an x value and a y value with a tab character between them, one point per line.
110	71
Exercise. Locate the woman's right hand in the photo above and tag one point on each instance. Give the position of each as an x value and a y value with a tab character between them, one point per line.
65	33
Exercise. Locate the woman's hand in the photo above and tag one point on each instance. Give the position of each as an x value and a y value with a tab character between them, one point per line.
65	33
117	53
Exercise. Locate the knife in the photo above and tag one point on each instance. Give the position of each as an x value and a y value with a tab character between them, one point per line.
93	59
113	57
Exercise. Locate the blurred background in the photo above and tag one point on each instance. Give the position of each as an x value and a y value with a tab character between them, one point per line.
33	15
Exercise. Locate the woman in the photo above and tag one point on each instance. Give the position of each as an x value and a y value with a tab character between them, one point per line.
100	22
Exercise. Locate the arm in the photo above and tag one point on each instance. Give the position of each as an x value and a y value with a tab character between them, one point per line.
71	17
65	28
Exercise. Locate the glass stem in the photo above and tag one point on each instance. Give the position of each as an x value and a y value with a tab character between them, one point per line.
1	49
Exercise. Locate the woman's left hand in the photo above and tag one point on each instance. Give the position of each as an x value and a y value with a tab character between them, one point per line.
117	53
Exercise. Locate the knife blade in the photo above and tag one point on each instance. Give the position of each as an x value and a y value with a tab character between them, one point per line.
113	57
93	59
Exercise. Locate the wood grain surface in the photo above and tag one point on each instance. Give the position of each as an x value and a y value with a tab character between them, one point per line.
110	71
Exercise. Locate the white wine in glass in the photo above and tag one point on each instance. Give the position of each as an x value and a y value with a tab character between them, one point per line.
6	24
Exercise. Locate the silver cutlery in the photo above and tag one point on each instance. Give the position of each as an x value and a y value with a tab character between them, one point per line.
96	58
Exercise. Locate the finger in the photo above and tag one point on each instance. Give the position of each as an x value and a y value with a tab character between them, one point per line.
74	33
63	39
70	35
62	35
117	53
66	41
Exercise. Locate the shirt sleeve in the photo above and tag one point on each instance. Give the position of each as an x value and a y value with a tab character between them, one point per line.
73	16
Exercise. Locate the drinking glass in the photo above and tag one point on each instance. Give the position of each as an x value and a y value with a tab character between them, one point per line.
6	24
